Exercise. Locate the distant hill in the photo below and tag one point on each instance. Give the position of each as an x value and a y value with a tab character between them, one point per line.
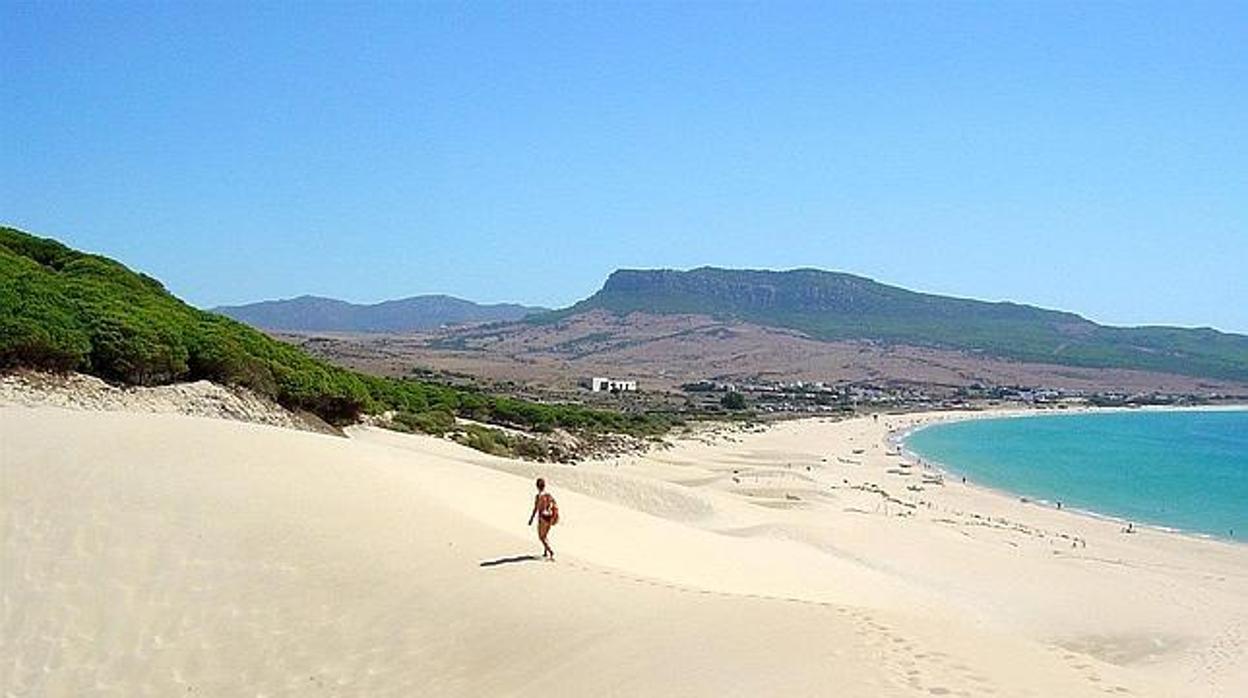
837	306
663	352
316	314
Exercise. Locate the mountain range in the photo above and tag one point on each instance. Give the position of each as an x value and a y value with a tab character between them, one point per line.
812	319
837	306
316	314
63	309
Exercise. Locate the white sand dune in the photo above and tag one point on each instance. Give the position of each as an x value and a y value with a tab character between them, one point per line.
171	555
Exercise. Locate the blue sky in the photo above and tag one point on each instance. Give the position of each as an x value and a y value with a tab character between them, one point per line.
1085	156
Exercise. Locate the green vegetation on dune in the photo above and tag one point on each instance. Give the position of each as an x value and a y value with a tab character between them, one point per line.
64	310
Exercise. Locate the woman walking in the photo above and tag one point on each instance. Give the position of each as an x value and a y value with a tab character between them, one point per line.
547	513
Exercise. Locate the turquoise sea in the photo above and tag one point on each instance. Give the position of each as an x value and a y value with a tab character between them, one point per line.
1186	470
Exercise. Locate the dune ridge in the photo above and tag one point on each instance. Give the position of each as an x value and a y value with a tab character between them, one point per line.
153	554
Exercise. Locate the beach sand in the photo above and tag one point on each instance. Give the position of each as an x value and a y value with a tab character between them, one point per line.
160	554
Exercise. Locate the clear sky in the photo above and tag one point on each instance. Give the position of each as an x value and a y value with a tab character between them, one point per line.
1086	156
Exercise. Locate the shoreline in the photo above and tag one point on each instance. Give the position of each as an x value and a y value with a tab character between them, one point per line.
770	552
898	439
840	486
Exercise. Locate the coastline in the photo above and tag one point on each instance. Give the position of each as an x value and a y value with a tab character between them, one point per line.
898	440
777	561
860	503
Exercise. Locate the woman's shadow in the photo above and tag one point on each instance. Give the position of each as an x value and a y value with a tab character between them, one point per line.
510	560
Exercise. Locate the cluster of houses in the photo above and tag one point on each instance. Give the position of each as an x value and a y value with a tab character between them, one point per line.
817	396
814	396
1059	397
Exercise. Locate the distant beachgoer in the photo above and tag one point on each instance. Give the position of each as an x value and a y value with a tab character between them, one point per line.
546	510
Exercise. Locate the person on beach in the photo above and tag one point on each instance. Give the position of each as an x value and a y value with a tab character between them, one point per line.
547	513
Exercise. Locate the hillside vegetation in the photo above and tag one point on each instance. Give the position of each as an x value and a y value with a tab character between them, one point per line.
836	306
64	310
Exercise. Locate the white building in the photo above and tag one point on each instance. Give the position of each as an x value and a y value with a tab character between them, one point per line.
597	385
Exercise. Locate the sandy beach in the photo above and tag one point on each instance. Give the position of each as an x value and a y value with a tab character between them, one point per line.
164	554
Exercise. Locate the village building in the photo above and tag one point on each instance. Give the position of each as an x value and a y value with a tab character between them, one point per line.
598	385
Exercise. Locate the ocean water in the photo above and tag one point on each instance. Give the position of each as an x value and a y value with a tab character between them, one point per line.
1186	470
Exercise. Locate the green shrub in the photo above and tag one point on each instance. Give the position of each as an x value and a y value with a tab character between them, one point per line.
500	443
531	449
38	327
435	421
484	439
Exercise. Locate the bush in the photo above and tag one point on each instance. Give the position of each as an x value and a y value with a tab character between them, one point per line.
733	400
531	449
38	328
500	443
436	421
485	440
